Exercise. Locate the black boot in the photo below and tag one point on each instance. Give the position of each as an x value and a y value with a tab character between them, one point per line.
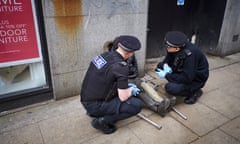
163	107
193	99
173	100
99	123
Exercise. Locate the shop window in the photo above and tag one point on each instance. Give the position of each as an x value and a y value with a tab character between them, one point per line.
23	54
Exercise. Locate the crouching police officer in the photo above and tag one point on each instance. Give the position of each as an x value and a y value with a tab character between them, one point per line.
131	61
185	67
106	94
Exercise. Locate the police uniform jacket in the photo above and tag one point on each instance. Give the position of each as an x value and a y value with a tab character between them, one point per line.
188	65
106	73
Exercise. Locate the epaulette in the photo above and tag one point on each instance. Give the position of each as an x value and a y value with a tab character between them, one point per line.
123	63
188	52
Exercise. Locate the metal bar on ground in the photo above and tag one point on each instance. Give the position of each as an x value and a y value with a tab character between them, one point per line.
149	121
179	113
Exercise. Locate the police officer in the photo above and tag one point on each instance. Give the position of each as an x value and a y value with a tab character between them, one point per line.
106	94
185	67
131	61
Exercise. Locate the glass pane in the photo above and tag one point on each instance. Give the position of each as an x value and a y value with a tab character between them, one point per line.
21	77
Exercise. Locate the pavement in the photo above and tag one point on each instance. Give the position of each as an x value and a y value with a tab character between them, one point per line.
214	119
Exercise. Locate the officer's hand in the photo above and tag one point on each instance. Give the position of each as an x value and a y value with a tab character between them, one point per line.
167	68
161	73
131	85
135	89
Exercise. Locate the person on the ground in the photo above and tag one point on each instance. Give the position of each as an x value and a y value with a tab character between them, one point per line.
106	94
185	67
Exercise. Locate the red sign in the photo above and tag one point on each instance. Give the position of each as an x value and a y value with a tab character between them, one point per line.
18	39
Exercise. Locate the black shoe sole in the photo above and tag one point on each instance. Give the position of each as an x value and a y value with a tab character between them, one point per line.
190	101
194	98
105	128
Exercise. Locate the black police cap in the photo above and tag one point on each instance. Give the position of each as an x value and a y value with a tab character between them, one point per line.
129	43
175	39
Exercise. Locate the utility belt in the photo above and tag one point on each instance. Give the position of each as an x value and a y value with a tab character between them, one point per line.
86	103
93	101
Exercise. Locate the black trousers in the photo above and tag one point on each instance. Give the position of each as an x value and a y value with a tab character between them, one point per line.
186	90
113	110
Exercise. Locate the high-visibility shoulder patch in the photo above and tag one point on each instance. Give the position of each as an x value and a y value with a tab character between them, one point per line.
99	61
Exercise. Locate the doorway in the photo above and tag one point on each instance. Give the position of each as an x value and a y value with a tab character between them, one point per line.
199	18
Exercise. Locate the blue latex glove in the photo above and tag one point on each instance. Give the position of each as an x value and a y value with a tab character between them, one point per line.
161	73
135	89
167	68
131	85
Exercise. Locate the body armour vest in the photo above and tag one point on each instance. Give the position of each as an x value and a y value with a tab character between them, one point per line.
99	83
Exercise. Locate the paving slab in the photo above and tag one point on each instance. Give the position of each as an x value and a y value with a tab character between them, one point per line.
222	102
38	113
217	137
217	62
234	68
232	128
219	78
232	89
72	128
200	118
30	134
172	132
122	136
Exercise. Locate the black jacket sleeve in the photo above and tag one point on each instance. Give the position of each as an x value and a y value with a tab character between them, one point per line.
188	72
182	77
